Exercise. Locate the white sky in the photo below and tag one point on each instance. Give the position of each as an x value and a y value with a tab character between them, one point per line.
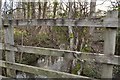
104	6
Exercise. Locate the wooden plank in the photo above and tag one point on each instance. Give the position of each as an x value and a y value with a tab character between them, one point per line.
39	71
9	39
109	50
0	35
1	77
109	44
111	19
34	50
93	57
95	22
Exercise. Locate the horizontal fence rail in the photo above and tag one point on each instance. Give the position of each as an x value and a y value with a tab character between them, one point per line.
39	71
92	57
2	77
94	22
110	20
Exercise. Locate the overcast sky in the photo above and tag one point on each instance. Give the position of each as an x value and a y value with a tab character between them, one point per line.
106	5
101	4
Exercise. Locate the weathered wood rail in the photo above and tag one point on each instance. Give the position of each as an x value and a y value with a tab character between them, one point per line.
94	22
92	57
108	59
39	71
110	20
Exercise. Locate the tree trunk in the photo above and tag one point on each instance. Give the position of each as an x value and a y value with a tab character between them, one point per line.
33	10
44	9
28	10
24	9
44	29
39	14
55	9
68	58
92	13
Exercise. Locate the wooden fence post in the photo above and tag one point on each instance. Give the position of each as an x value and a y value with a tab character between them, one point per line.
0	36
109	44
9	55
109	49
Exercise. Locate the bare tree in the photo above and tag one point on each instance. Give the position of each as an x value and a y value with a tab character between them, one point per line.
39	10
68	58
55	9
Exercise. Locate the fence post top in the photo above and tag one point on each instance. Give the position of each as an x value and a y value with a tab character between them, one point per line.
113	13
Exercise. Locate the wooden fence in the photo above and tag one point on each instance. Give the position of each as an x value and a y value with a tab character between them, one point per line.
108	59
